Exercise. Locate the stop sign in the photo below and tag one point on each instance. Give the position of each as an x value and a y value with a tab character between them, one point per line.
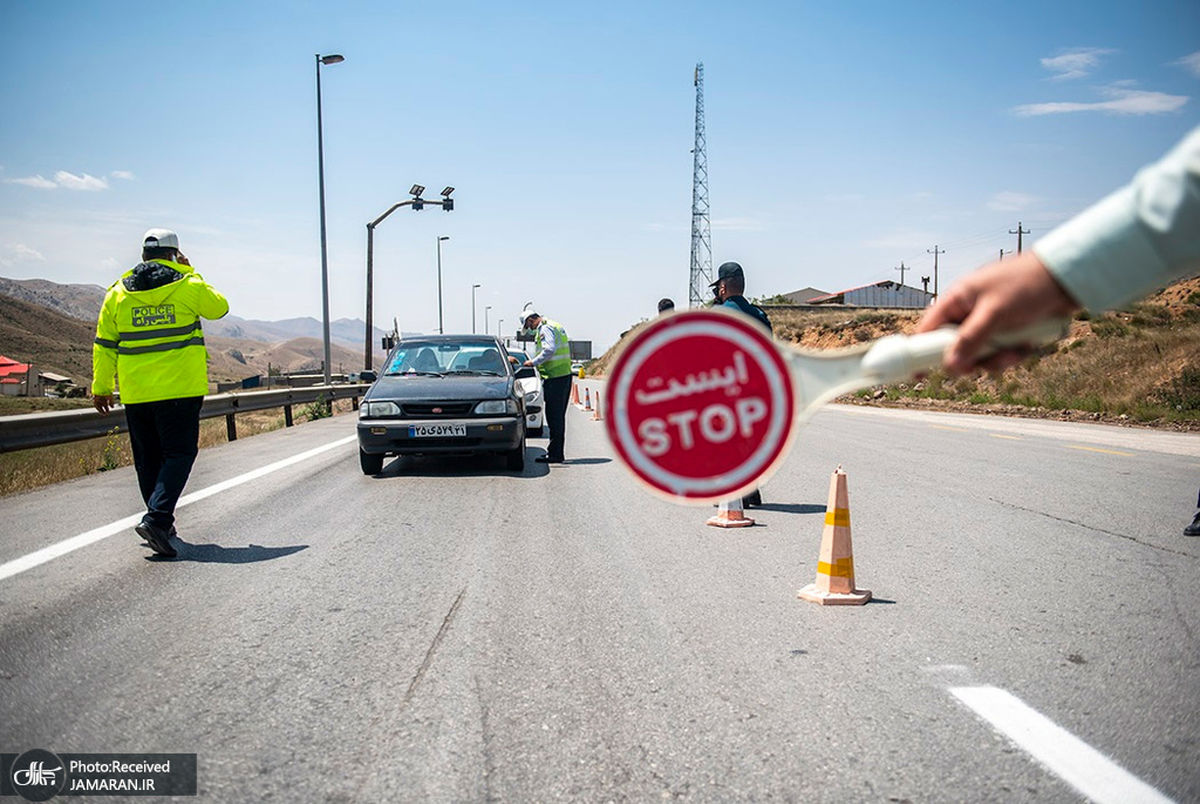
701	405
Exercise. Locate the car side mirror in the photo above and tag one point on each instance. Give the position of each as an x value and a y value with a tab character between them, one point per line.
524	372
366	376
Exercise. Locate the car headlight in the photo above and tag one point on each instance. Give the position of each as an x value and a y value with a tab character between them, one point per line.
378	410
493	407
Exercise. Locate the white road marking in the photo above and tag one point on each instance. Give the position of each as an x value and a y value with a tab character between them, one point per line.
1078	764
38	557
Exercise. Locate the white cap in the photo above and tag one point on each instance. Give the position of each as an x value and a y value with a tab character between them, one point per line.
525	313
160	238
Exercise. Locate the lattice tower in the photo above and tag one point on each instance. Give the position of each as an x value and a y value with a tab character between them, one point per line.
701	269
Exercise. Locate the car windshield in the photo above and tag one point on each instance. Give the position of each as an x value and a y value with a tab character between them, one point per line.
434	358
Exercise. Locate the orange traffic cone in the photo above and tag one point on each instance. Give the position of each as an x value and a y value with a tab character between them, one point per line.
574	394
587	398
596	413
729	515
835	566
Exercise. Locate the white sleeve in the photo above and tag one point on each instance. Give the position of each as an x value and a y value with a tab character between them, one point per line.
1136	240
549	345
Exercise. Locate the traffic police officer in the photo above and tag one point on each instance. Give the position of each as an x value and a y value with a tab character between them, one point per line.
553	361
149	336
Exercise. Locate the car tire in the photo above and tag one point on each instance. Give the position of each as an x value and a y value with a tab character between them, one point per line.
514	460
371	464
535	432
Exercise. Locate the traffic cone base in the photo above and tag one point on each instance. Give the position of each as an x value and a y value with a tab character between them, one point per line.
814	595
835	565
730	515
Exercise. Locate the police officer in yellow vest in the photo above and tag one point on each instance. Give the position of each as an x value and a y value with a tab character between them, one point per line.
149	337
553	361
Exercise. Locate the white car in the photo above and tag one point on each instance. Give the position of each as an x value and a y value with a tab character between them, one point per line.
531	383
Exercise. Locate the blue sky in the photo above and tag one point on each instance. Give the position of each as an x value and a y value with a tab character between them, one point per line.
843	138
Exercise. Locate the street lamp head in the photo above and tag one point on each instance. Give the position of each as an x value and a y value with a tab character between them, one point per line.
446	191
332	58
444	237
476	286
416	190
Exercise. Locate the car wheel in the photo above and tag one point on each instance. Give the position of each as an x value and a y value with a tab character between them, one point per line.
514	460
535	432
371	464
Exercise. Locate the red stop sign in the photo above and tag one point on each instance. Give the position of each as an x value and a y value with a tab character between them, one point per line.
701	405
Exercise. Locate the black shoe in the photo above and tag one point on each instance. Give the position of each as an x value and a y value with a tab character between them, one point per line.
547	459
753	498
1194	528
158	539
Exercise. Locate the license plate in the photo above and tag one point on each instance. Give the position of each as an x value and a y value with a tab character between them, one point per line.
437	430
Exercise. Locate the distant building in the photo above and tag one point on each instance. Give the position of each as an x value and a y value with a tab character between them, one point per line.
879	294
802	296
13	377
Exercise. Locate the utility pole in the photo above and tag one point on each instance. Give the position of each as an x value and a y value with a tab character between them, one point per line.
925	283
1003	252
1018	232
901	269
935	252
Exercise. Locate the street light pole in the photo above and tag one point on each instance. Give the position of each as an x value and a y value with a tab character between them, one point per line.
499	329
439	266
485	317
330	59
473	288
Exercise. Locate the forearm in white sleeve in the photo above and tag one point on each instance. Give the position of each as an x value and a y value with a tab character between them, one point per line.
1136	240
549	345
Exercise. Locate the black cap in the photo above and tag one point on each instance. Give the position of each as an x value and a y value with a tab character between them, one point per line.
728	270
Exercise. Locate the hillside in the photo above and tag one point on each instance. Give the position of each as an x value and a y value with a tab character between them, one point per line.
1138	365
62	344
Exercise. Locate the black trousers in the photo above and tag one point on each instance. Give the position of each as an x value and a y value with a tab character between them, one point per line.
557	393
165	437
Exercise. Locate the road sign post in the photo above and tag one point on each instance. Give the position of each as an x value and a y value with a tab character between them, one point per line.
701	406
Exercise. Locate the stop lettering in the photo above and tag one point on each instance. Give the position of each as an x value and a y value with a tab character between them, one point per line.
701	405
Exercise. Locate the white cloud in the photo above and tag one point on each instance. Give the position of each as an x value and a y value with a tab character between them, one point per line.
1076	63
738	225
1009	201
1191	62
1121	100
33	181
63	179
19	252
122	174
85	182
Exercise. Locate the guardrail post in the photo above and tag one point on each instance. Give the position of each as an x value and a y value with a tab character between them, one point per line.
230	427
287	415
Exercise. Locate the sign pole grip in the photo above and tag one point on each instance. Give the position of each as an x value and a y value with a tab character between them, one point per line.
897	358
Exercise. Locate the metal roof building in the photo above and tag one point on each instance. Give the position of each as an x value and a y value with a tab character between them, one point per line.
879	294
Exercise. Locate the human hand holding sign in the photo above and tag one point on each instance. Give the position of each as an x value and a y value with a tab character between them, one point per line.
999	297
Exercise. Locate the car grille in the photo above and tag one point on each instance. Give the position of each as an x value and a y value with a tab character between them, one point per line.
433	410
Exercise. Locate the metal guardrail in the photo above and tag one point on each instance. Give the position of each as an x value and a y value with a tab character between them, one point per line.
60	427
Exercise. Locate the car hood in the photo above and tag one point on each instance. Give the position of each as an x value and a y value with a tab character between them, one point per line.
452	387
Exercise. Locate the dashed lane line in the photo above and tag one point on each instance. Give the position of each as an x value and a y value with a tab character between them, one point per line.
39	557
1098	449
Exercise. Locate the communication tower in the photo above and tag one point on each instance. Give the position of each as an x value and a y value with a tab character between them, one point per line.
701	271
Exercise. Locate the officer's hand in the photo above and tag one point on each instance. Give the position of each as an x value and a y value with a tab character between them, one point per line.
102	403
181	258
527	363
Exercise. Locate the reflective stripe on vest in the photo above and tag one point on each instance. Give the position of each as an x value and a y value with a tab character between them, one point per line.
560	364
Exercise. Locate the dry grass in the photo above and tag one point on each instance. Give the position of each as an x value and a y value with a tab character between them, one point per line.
28	469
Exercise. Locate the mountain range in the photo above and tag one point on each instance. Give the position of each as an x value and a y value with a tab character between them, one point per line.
52	325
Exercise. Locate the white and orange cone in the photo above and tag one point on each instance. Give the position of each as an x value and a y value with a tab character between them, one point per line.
596	415
730	515
835	566
587	398
574	394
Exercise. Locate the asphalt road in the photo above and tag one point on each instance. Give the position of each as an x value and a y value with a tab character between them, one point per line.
453	632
